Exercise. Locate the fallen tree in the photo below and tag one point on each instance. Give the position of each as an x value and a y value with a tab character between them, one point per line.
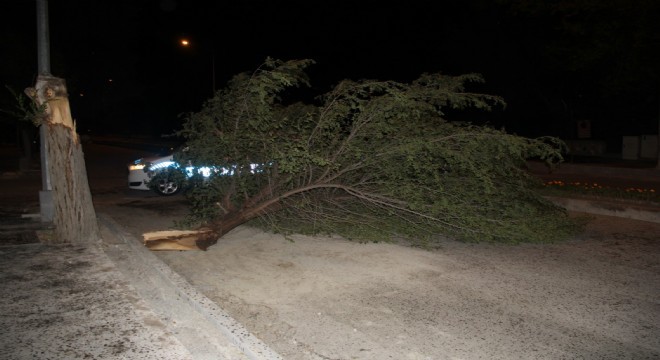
370	161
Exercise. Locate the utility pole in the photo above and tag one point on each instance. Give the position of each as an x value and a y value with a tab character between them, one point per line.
43	63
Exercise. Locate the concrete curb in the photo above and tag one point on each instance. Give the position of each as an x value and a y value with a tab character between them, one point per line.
250	345
652	174
626	210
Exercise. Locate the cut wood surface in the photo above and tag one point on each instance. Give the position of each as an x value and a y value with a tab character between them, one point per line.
173	239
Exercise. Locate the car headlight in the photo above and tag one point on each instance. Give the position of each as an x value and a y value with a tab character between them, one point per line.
135	167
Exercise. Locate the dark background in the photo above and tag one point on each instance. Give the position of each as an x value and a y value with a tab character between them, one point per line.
556	63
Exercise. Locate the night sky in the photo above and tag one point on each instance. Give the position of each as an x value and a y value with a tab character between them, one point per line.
555	63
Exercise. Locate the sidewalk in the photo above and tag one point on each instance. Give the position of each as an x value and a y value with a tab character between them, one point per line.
72	302
111	301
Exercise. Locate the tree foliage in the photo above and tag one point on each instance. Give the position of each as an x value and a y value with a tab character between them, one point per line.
370	161
24	109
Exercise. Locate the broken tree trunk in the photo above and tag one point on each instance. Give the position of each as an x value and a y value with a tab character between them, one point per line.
200	239
74	216
174	240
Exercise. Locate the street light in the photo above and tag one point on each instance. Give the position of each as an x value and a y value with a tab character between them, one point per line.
186	43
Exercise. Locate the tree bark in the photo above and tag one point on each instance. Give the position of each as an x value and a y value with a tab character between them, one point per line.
74	216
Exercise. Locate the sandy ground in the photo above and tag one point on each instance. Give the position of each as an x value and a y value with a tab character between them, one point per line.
595	297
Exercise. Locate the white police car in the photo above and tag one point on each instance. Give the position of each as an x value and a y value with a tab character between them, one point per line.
141	172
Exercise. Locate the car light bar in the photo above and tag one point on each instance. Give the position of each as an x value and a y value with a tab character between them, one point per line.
161	165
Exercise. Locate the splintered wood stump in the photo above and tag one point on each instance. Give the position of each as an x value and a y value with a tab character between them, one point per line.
74	216
176	240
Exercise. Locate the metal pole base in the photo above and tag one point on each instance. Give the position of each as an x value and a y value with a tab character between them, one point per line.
46	205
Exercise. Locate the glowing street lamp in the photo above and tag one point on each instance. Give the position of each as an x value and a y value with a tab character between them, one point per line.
186	43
